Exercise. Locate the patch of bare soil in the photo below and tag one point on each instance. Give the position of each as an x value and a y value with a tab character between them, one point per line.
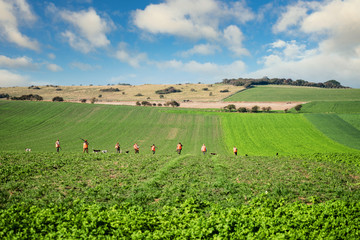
199	104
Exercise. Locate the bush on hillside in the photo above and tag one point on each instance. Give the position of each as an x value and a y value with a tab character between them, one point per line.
225	90
139	95
30	97
4	95
242	109
172	103
83	100
266	109
230	108
110	90
138	103
57	99
167	90
298	107
255	109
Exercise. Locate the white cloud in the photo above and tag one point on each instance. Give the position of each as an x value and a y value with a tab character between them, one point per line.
12	13
131	58
197	19
51	56
234	38
88	30
201	49
334	24
20	62
53	67
84	66
207	70
10	79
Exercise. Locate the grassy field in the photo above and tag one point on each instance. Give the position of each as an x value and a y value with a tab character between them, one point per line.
192	92
332	107
292	93
37	125
310	190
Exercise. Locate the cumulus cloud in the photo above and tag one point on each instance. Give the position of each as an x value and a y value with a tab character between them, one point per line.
84	66
87	29
19	63
53	67
234	38
12	14
334	25
10	79
208	69
201	49
132	58
197	19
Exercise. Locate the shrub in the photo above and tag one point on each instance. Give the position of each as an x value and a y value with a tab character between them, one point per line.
266	109
30	97
255	109
210	94
193	90
242	109
57	99
100	95
298	107
205	89
34	87
58	89
161	96
110	90
172	103
139	95
4	95
93	100
230	108
167	90
138	103
83	100
286	110
225	90
159	105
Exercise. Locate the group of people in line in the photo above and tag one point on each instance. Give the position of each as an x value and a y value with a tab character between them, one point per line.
137	147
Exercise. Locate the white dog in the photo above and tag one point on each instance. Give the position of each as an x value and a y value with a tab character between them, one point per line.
27	149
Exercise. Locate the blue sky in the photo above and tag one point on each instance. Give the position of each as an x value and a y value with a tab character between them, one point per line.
99	42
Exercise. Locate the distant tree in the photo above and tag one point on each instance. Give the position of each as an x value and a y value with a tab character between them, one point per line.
161	96
57	99
93	100
159	105
242	109
173	103
298	107
286	110
4	95
255	109
138	103
266	109
230	108
83	100
100	95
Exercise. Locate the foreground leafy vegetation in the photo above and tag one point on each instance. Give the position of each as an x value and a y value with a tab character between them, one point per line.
165	196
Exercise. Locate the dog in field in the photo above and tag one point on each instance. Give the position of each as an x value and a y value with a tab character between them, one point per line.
96	151
27	149
104	151
213	153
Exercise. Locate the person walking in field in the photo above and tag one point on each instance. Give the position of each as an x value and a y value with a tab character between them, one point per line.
85	146
57	145
235	150
153	147
179	148
136	148
203	149
117	147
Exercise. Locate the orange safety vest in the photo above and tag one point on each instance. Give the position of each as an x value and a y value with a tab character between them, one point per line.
85	145
152	148
235	149
179	146
136	147
57	144
203	148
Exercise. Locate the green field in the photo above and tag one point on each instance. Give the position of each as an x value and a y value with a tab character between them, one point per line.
37	125
49	195
296	94
310	190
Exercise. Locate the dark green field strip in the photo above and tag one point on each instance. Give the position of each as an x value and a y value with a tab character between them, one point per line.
268	134
331	107
353	119
336	128
292	93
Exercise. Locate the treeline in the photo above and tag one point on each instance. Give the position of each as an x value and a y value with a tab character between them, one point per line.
248	82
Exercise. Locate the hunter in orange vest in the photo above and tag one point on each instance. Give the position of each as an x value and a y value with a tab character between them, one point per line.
57	145
136	148
179	148
86	146
235	150
153	147
203	149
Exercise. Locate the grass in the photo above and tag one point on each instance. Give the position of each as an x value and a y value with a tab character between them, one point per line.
192	92
331	107
296	94
268	134
37	125
336	128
